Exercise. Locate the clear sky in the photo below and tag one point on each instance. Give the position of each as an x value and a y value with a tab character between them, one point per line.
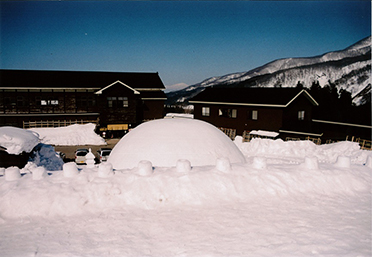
185	41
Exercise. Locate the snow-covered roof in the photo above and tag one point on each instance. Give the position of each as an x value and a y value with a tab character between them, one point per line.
17	140
179	115
264	133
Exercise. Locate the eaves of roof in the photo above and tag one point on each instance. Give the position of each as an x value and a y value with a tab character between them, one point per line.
118	81
76	79
209	96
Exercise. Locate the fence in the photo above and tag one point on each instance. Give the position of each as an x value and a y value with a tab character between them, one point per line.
248	137
55	123
363	143
231	133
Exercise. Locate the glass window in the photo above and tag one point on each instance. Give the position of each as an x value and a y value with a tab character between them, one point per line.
301	115
53	102
20	101
123	101
230	113
111	101
233	113
254	115
205	111
47	102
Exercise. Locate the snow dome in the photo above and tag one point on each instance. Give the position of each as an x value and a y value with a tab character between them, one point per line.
163	142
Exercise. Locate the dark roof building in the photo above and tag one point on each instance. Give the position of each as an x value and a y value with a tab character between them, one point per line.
78	79
273	97
118	100
284	110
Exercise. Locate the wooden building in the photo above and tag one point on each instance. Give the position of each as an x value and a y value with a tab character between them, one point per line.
115	100
288	111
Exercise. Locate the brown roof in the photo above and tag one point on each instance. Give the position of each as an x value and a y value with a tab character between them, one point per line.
251	96
77	79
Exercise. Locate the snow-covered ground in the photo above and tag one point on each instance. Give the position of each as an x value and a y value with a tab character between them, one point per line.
286	199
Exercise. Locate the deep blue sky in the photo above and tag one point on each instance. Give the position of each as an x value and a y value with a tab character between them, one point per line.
185	41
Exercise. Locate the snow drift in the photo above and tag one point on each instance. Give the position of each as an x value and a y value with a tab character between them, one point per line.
287	199
71	135
79	190
17	140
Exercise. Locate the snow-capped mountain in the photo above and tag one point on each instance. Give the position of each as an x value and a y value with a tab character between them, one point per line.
348	69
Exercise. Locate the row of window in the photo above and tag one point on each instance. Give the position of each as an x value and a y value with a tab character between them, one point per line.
229	113
115	102
232	113
20	101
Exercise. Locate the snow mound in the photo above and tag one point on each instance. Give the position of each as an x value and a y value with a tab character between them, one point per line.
17	140
300	149
164	142
71	135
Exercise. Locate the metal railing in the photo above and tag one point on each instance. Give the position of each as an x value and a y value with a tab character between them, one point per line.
231	133
55	123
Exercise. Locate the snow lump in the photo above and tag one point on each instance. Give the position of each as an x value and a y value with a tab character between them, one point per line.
17	140
165	141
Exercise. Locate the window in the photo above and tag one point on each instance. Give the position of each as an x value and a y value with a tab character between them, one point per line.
123	102
301	115
230	113
48	102
20	101
254	115
38	100
117	101
205	111
85	101
91	101
10	101
111	101
234	113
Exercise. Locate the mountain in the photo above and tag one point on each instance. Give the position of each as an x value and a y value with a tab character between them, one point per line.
348	69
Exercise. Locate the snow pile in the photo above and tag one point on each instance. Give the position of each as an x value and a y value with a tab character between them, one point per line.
17	140
287	199
298	150
163	142
79	190
264	133
71	135
178	115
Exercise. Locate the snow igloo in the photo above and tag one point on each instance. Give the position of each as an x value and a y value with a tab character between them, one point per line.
165	141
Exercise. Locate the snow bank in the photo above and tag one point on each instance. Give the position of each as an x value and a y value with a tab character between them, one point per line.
264	133
163	142
79	190
178	115
17	140
287	199
71	135
298	150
